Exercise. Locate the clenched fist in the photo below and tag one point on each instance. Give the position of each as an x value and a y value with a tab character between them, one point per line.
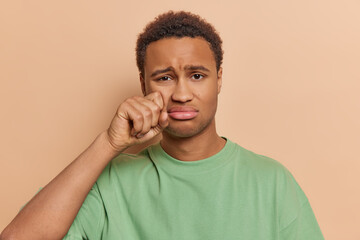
138	119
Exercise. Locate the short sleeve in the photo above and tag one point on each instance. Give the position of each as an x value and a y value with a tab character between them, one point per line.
89	221
304	227
297	219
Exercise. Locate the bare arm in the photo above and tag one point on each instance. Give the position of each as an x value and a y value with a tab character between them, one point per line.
60	200
136	121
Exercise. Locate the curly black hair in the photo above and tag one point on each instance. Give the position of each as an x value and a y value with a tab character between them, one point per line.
178	24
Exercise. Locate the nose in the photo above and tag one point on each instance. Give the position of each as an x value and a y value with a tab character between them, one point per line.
182	92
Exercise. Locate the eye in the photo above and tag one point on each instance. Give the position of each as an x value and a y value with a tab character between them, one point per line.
164	78
197	76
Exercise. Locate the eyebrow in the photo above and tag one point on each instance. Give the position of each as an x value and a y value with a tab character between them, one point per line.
196	67
161	71
187	68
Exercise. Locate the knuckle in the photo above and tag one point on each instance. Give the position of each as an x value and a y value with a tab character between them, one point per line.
147	113
157	108
129	99
138	117
137	98
123	104
127	102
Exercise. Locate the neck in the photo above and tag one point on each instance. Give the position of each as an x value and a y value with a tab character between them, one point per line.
202	145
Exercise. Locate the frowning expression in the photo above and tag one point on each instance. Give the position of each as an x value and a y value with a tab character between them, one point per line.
184	71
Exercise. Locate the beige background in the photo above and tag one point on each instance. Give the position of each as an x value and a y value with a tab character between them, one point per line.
291	89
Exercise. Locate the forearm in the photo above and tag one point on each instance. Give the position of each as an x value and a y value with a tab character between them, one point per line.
51	212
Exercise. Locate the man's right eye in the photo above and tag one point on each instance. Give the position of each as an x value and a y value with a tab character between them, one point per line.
164	78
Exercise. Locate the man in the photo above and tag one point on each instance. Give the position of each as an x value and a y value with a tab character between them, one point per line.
194	184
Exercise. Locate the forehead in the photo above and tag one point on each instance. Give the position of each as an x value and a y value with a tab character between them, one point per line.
179	52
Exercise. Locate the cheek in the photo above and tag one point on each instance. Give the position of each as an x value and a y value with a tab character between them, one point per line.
164	91
152	88
208	94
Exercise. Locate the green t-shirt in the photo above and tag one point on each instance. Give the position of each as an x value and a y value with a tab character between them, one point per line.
234	194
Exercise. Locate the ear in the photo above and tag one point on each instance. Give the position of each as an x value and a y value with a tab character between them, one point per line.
142	82
219	79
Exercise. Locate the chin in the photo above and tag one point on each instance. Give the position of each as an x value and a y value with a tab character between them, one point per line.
180	133
185	131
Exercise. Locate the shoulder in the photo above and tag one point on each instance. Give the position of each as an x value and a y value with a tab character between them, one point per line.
275	177
259	163
266	169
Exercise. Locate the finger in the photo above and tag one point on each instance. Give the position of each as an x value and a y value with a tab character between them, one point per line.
155	110
163	119
134	115
157	98
141	105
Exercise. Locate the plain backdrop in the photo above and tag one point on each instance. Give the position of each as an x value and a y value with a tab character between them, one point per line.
290	89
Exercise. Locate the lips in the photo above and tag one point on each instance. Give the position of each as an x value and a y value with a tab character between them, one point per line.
182	112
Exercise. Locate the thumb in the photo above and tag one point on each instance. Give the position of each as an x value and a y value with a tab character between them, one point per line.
164	119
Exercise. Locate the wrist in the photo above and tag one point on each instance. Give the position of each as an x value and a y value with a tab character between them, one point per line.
111	148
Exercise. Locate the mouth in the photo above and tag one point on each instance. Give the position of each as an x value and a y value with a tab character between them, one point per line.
182	112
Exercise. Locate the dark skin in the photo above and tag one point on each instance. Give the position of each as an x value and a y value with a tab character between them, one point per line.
179	102
184	72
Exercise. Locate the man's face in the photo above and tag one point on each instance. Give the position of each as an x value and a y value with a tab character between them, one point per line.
183	70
